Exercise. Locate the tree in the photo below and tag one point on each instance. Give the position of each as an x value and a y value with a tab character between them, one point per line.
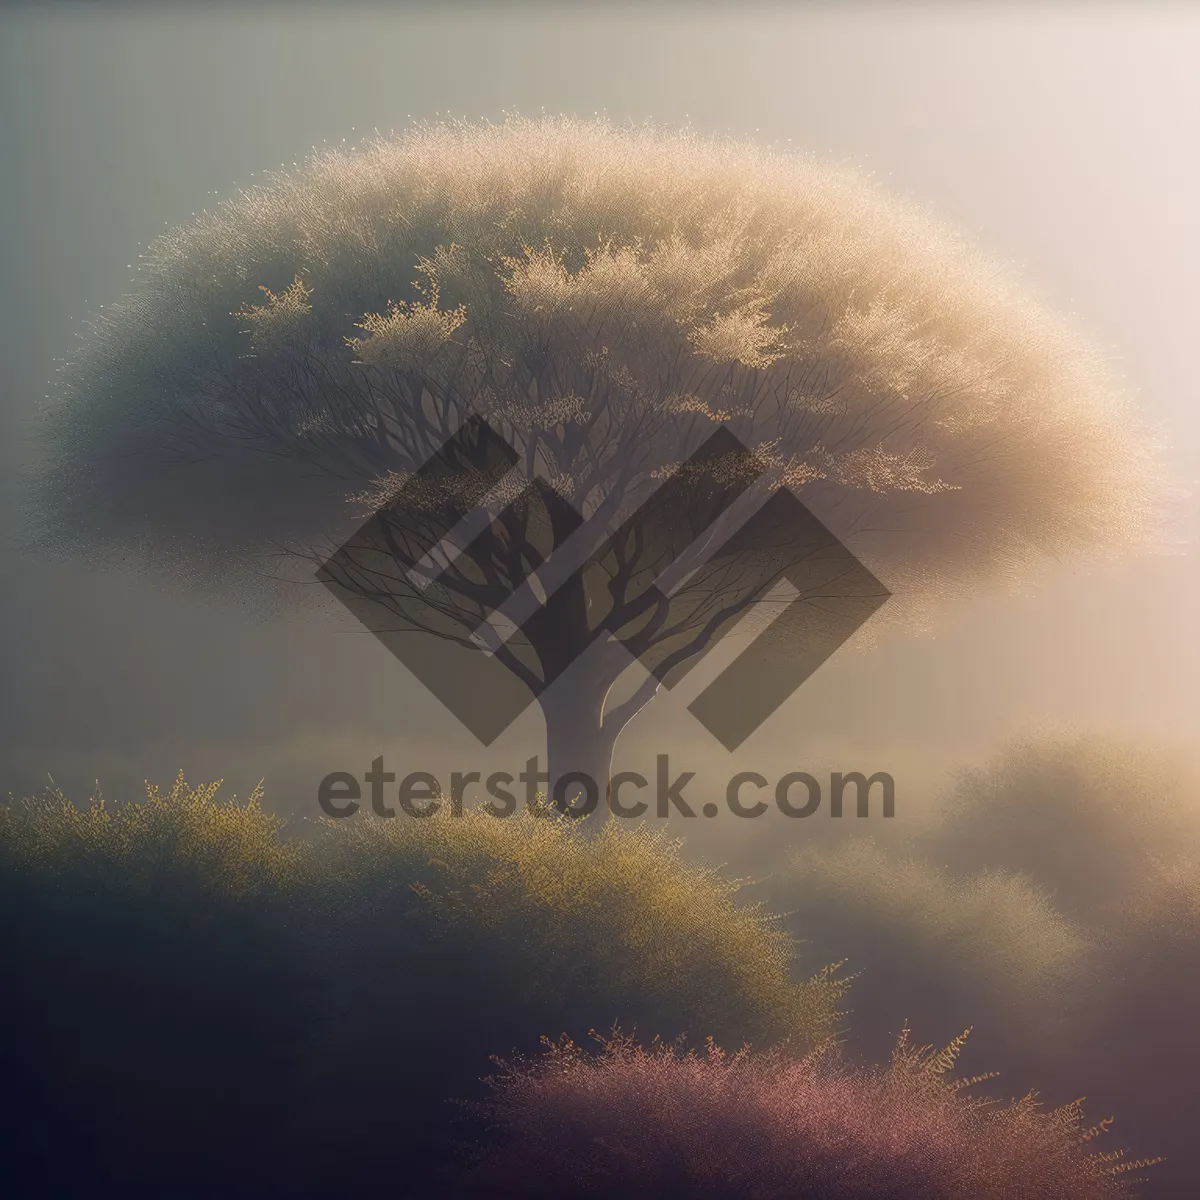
549	322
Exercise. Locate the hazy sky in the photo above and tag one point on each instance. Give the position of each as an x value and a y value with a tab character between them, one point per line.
1064	138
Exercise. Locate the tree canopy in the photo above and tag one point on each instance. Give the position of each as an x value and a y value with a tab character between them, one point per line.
604	299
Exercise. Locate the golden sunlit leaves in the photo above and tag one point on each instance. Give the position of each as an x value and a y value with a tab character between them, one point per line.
742	336
600	293
282	320
407	336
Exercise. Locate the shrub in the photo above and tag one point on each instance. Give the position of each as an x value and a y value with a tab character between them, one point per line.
1083	815
987	949
1138	1036
453	938
142	962
649	1122
597	919
191	988
181	839
1111	826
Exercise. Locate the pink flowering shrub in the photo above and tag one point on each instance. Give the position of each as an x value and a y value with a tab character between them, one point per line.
635	1121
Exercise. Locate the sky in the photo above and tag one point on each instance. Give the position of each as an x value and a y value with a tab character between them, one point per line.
1062	138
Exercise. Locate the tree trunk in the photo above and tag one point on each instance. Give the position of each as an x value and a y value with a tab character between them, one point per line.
579	748
582	730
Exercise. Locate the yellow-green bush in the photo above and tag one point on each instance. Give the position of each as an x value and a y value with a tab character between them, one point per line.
617	909
151	1008
187	986
227	848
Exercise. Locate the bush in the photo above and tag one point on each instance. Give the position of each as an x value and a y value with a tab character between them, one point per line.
598	919
1061	920
454	938
149	1001
190	988
1085	816
1139	1036
1111	827
649	1122
987	949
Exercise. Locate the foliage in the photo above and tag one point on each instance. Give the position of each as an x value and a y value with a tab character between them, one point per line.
183	837
987	947
185	985
1086	816
141	962
659	928
604	297
1133	1040
634	1121
585	312
1061	922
